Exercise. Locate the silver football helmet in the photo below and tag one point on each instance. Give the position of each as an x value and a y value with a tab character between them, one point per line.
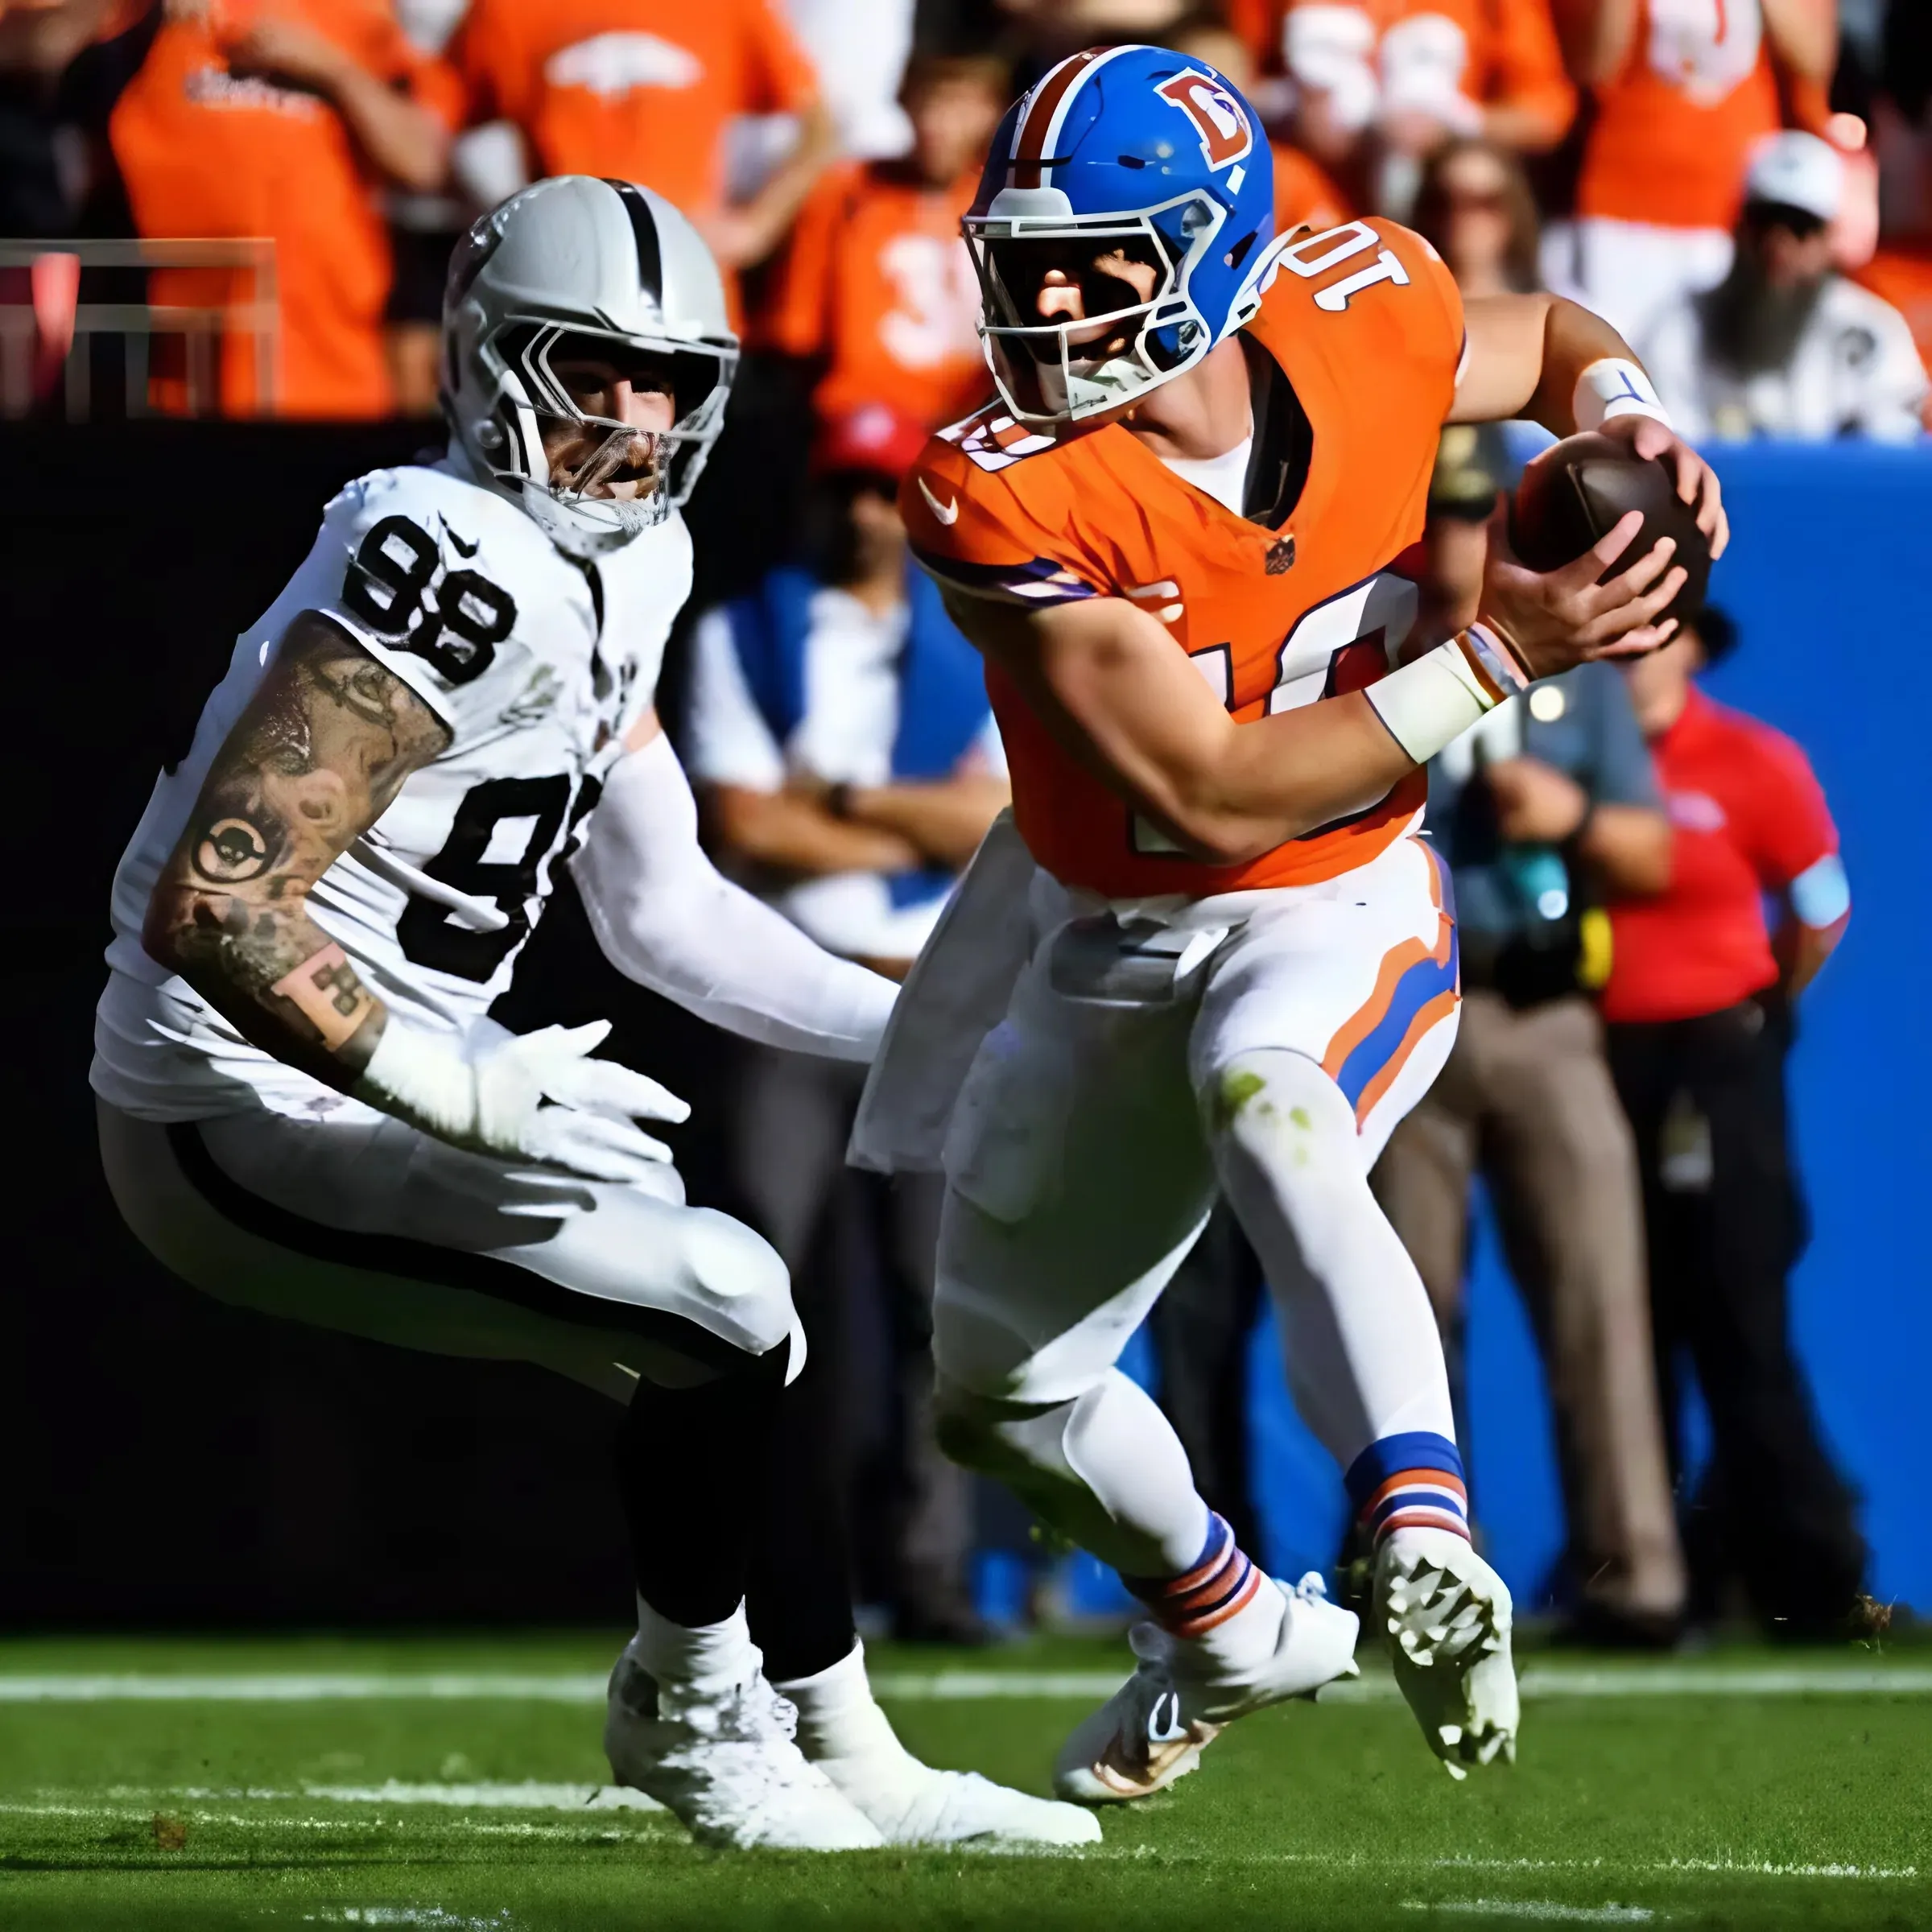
571	266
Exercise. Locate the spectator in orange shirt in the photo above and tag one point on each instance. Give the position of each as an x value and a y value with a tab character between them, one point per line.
877	281
643	91
1684	90
1402	76
285	119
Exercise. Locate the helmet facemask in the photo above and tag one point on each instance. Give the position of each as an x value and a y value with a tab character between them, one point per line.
578	504
1060	371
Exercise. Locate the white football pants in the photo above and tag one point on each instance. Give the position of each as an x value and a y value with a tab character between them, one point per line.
1128	1083
355	1221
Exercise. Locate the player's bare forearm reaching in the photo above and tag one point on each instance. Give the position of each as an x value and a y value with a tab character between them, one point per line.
315	760
1104	676
1527	355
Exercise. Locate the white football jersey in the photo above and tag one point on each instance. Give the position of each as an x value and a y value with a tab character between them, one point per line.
538	664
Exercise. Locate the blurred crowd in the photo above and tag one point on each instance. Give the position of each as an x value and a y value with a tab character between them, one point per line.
1619	151
1743	187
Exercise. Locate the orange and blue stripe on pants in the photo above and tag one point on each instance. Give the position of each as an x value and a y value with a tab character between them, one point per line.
1418	985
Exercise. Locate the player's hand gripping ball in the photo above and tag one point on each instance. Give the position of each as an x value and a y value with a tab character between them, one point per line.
1575	492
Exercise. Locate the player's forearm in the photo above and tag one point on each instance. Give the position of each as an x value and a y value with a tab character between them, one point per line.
1279	778
665	917
1526	356
793	831
406	143
945	819
313	761
1105	679
266	966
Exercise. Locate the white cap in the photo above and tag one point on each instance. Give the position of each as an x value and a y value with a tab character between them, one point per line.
1798	170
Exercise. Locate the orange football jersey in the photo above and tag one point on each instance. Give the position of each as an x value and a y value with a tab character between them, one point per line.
1366	325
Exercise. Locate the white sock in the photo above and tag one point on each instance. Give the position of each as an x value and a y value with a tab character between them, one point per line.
706	1661
838	1716
1364	1360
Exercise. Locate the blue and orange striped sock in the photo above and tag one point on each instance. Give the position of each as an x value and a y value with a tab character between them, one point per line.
1220	1583
1413	1481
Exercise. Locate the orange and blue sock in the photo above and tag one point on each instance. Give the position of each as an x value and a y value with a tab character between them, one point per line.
1221	1582
1413	1481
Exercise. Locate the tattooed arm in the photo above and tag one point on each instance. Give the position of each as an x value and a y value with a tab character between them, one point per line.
313	763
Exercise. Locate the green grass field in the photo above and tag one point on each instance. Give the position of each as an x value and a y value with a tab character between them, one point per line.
453	1783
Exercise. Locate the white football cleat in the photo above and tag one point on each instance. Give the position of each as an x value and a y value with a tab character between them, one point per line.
1447	1615
726	1766
911	1803
1152	1729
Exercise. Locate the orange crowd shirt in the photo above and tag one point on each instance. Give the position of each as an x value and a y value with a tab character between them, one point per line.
1674	130
877	281
1366	326
1490	51
639	90
206	153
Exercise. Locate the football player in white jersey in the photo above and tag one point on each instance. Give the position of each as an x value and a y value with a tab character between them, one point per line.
304	1106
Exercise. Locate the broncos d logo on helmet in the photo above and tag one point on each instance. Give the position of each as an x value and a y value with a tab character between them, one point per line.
1219	118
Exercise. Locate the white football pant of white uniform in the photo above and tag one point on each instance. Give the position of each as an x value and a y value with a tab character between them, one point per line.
1263	1044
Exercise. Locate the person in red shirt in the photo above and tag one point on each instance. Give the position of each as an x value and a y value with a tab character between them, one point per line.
877	281
1698	1006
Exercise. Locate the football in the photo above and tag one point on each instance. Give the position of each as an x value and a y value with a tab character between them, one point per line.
1574	492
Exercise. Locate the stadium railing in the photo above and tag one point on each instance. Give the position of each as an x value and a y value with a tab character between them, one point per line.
50	337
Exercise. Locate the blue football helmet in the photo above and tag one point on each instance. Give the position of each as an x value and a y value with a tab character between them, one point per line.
1140	145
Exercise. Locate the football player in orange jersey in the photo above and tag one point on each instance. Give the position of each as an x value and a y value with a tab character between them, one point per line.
1223	959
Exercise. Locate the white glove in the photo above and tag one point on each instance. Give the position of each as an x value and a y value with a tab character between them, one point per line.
493	1103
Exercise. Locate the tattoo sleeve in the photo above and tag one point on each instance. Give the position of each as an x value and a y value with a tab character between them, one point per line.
315	759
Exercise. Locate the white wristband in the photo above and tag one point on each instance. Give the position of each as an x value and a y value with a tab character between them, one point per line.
1426	705
421	1078
1613	387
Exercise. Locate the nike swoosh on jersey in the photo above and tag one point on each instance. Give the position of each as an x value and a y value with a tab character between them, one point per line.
462	549
947	512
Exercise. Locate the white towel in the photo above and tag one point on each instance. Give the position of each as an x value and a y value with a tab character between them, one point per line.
955	994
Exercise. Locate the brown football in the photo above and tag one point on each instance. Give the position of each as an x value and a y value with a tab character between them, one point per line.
1577	489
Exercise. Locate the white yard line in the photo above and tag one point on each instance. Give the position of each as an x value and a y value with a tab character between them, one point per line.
407	1915
1543	1911
1539	1681
194	1802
